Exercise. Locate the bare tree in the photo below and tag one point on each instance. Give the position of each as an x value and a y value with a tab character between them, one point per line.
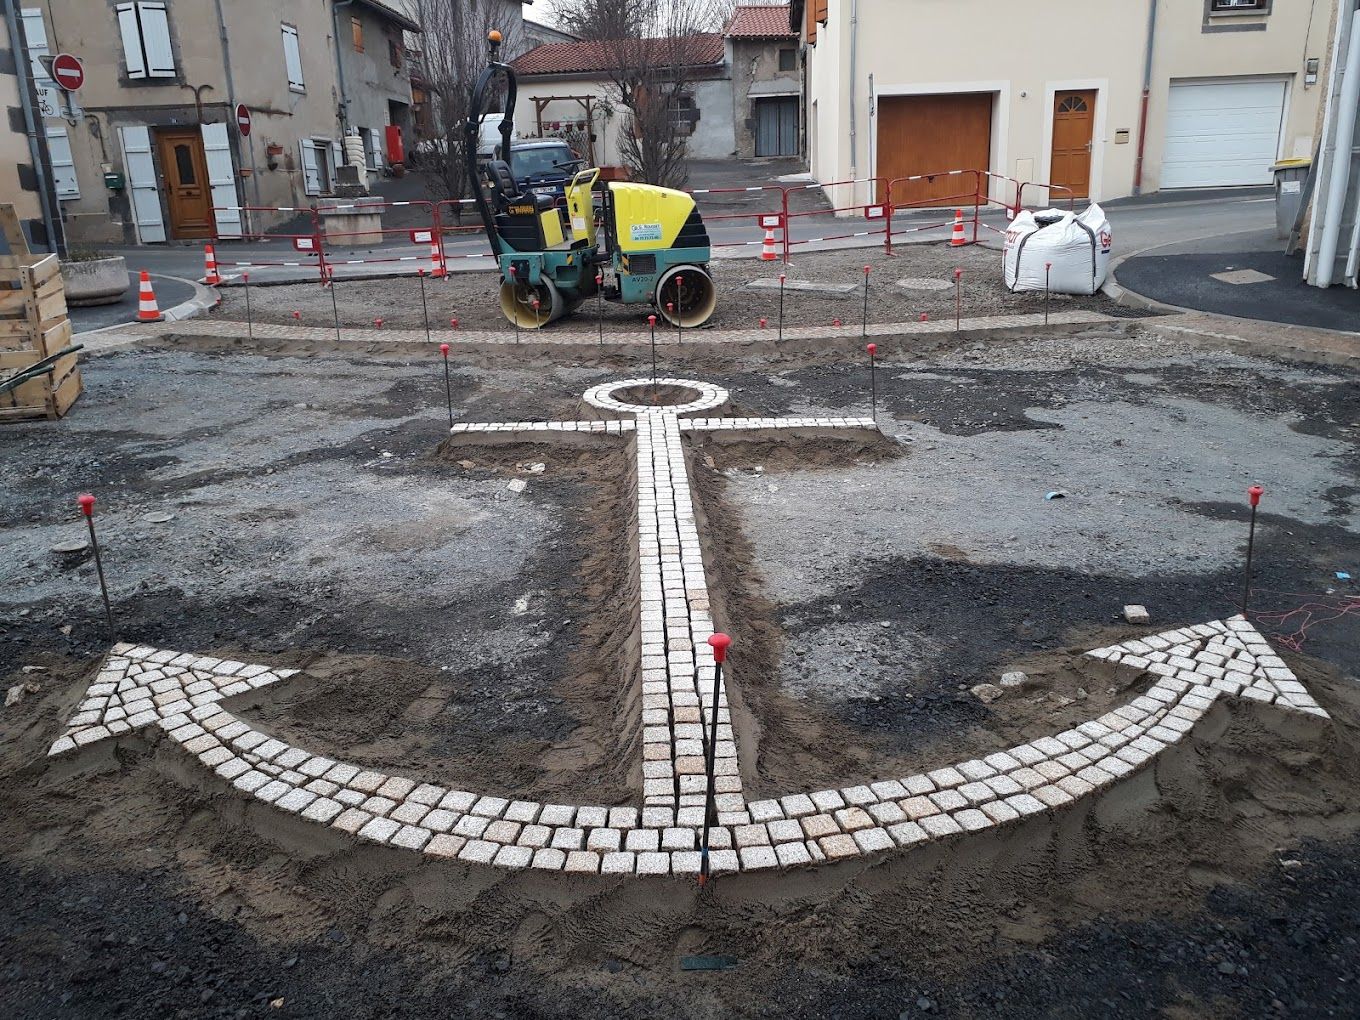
453	51
653	53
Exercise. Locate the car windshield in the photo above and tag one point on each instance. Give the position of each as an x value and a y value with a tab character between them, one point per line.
538	161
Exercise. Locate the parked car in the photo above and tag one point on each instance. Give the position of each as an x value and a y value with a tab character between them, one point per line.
544	166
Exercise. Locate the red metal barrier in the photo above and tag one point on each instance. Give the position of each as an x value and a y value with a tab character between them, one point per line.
969	195
769	207
1050	188
392	242
871	211
278	242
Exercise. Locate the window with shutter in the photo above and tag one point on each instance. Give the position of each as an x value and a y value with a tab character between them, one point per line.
58	140
145	30
356	31
292	59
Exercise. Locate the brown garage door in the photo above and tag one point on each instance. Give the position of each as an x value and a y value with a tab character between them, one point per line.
928	134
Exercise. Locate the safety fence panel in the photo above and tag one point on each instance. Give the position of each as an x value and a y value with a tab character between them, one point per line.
875	214
458	217
294	243
1049	195
762	205
417	244
966	197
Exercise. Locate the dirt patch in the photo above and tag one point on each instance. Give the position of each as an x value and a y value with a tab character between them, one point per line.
471	297
453	628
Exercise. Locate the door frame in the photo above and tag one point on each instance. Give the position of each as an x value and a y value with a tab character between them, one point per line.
1001	119
1101	87
159	134
760	102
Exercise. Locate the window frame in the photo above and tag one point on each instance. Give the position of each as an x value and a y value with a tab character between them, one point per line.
356	33
1261	7
792	53
288	31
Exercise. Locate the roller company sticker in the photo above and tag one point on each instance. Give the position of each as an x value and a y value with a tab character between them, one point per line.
644	231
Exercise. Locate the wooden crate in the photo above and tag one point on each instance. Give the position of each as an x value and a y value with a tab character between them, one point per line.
33	326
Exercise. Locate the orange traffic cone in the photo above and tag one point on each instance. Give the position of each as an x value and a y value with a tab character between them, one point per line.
437	270
767	252
147	309
210	274
958	240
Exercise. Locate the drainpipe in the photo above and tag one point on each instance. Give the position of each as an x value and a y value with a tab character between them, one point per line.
340	73
1338	180
853	79
249	143
1143	106
47	199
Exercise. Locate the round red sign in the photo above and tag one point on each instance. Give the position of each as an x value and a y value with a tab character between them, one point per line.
243	119
68	72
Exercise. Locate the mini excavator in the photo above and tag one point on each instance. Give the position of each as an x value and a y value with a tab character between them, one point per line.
645	244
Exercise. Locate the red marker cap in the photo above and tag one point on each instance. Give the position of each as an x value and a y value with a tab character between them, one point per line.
925	317
958	273
835	322
872	349
599	279
763	322
421	272
245	277
1254	494
1048	265
781	277
86	502
719	643
866	270
444	349
651	320
378	323
453	324
296	314
670	306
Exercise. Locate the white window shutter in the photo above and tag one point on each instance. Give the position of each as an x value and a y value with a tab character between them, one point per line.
292	59
63	163
35	34
132	40
58	140
375	148
222	180
160	58
311	174
141	182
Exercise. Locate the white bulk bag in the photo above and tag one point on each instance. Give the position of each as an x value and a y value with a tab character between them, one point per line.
1077	247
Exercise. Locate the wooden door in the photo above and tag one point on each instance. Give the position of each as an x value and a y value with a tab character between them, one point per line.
933	135
188	193
1074	117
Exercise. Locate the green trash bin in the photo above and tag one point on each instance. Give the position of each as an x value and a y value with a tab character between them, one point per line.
1290	175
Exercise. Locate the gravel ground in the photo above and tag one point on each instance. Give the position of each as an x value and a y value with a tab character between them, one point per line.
453	625
471	297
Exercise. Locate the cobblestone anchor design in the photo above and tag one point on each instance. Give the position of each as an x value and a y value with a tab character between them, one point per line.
182	694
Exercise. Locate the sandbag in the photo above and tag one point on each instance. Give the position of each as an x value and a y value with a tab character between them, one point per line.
1077	247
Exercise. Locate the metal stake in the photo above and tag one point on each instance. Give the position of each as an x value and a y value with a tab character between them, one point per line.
864	328
335	309
679	308
719	643
86	502
448	391
958	298
423	306
873	380
781	306
250	322
1048	267
651	325
599	304
1254	494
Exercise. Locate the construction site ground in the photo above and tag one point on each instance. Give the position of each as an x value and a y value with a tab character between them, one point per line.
454	608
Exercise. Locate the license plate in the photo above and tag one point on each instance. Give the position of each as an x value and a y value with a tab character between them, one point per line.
544	191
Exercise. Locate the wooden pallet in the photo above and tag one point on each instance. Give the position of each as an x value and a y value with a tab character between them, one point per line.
33	326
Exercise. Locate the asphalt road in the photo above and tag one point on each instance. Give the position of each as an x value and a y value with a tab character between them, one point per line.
169	292
733	226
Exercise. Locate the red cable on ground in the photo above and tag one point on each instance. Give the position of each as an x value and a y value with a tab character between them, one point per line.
1289	626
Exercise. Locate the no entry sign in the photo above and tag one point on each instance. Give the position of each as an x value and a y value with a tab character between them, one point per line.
68	72
243	119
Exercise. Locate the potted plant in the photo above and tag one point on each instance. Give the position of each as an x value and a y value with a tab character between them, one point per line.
94	278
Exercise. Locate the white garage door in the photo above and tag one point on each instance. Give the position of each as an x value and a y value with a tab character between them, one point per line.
1222	133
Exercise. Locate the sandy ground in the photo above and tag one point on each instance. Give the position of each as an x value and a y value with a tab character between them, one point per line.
472	297
460	630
